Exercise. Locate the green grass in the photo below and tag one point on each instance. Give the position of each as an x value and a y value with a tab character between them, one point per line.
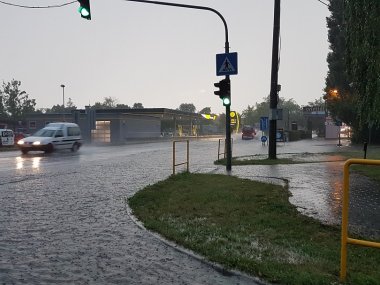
252	227
372	172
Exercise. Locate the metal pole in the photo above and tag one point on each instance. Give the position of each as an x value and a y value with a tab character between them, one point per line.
274	82
173	157
63	95
190	7
228	138
187	155
63	102
226	48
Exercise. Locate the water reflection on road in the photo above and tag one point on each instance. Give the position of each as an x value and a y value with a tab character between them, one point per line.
63	219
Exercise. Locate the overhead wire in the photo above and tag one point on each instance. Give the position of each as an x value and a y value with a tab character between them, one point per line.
323	3
37	7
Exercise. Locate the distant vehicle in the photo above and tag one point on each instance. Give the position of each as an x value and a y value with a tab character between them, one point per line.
248	133
54	136
7	137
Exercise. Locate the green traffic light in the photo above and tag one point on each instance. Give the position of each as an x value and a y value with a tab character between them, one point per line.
84	9
84	12
226	101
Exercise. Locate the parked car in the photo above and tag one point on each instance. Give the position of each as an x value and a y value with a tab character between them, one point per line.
54	136
248	133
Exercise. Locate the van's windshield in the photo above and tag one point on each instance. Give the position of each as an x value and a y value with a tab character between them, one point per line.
44	133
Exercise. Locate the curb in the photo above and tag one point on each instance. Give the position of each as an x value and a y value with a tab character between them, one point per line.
219	268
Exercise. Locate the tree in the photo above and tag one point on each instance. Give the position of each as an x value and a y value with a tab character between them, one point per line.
70	105
138	106
60	109
252	114
14	102
248	116
340	100
205	110
109	102
363	57
97	105
3	115
187	107
221	122
122	106
56	109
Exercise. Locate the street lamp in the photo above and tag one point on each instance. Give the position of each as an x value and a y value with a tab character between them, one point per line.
63	95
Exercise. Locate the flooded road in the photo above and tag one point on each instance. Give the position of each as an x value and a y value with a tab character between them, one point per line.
63	216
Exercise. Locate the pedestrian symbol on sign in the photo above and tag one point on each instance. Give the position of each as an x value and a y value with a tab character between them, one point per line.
226	66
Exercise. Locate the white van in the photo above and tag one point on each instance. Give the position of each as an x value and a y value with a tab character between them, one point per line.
54	136
7	137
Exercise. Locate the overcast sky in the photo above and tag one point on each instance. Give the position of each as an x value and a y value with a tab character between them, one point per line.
161	56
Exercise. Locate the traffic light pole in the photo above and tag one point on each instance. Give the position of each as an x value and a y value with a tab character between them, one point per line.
227	50
274	83
228	136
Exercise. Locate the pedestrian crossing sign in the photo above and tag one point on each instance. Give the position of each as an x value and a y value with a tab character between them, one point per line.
226	64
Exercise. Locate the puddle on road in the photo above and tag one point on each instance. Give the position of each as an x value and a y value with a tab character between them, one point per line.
298	157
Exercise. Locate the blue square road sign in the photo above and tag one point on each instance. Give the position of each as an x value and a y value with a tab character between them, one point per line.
226	64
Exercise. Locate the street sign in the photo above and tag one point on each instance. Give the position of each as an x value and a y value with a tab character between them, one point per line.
264	122
280	135
233	118
226	64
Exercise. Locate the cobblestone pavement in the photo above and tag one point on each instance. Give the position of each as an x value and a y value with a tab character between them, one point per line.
63	216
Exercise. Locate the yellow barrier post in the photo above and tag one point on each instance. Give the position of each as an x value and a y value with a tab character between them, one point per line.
344	237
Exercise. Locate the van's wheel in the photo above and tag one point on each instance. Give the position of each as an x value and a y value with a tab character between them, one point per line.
49	148
75	147
24	151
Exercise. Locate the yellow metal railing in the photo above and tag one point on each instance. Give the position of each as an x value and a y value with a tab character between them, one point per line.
344	238
187	156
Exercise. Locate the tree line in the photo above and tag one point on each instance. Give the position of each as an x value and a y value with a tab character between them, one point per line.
352	91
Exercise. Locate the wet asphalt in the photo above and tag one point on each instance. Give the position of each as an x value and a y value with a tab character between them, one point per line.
64	218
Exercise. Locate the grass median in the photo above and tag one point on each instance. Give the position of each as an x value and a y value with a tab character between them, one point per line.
252	227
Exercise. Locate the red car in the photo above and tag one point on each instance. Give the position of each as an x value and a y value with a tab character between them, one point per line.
248	133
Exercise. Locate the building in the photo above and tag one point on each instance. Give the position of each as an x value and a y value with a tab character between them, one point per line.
123	125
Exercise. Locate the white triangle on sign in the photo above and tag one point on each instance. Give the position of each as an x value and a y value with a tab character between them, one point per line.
227	66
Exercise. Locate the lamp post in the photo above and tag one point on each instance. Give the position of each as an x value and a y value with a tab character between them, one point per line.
63	101
63	95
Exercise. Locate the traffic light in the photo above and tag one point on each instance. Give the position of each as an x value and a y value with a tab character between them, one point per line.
224	91
84	9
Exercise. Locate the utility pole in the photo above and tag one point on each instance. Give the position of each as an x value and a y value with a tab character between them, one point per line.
274	83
